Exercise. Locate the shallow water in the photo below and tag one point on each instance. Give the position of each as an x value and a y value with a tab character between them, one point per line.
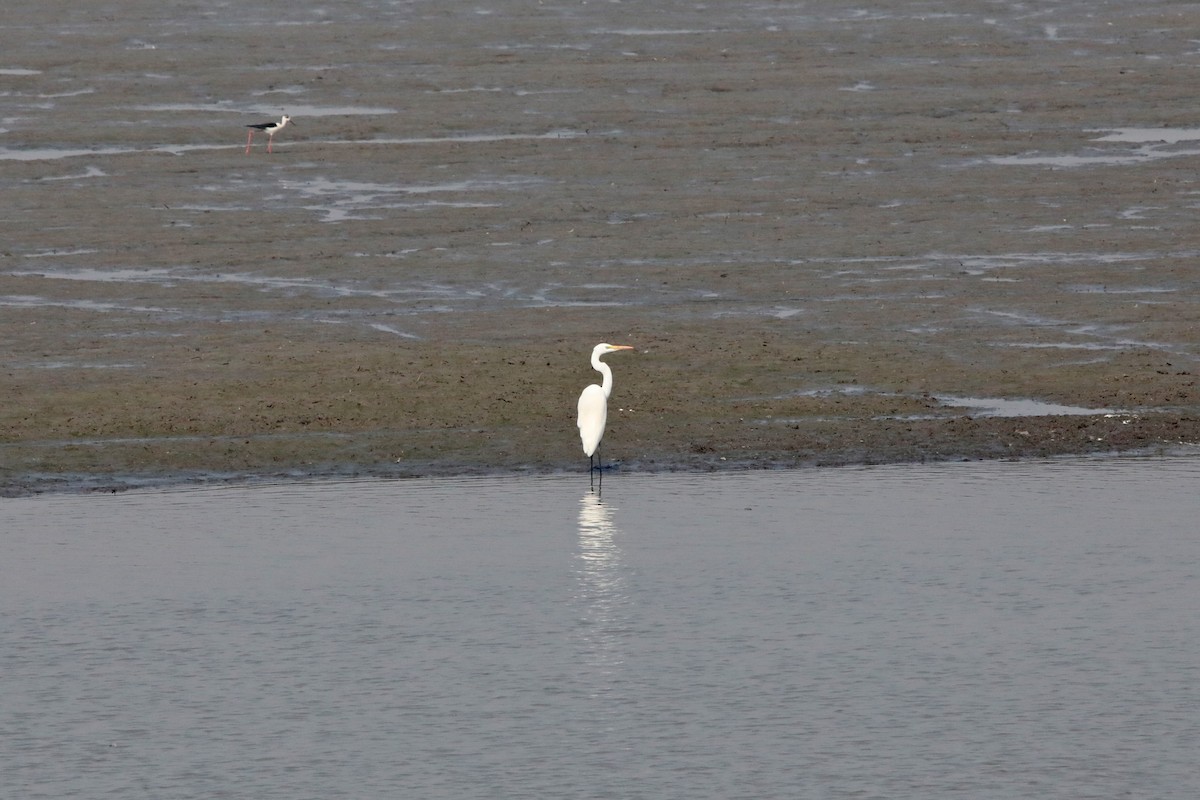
982	629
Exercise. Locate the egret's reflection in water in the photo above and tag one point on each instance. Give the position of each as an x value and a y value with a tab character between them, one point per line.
601	592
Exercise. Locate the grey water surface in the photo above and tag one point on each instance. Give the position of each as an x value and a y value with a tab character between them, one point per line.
984	630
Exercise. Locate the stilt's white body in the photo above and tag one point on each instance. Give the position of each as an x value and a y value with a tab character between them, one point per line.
270	128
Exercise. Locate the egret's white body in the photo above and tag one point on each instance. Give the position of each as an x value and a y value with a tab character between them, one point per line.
593	413
593	402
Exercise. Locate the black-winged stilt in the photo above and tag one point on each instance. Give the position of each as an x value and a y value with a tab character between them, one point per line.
270	128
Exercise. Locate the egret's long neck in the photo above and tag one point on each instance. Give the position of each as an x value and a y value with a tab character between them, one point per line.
603	369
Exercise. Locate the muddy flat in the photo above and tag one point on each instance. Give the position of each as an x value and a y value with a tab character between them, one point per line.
833	235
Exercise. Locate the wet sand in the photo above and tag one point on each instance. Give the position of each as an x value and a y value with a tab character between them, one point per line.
816	226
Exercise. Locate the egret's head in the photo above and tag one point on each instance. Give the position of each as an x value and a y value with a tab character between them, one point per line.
605	347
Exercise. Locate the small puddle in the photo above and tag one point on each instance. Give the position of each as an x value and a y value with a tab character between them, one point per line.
1150	144
1004	407
1151	135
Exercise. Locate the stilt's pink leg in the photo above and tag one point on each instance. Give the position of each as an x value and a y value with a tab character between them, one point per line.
249	138
270	141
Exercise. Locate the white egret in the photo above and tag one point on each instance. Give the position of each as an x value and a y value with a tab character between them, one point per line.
593	405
